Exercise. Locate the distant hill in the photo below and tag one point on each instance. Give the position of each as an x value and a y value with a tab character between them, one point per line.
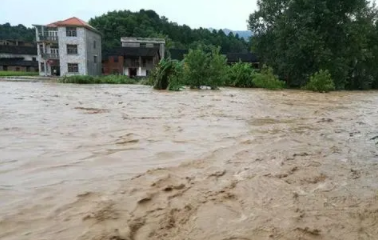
243	34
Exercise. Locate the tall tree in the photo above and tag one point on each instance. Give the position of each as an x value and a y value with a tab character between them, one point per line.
300	37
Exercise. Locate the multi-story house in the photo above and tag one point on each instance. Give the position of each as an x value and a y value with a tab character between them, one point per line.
69	47
136	58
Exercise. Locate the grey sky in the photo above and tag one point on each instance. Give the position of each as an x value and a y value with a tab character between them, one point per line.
230	14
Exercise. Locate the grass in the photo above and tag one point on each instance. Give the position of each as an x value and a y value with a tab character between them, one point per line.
109	79
16	73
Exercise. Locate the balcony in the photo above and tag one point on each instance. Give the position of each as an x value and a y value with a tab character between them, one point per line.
50	55
48	38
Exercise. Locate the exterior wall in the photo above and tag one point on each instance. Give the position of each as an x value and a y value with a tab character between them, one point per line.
110	66
24	56
80	58
142	72
92	67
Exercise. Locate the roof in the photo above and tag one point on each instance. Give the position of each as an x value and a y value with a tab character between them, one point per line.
134	52
244	57
178	54
18	50
72	22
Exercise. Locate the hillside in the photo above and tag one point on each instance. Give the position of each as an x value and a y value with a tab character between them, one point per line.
19	32
147	23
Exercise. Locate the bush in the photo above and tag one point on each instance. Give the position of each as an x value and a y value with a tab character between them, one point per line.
109	79
168	75
15	74
205	69
196	68
240	75
267	79
320	82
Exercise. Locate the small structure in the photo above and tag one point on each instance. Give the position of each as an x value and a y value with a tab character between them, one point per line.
69	47
179	54
10	42
136	58
18	58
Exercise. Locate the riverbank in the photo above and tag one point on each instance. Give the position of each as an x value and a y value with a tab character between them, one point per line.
127	162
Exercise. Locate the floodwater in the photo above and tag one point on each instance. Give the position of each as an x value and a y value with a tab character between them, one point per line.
64	149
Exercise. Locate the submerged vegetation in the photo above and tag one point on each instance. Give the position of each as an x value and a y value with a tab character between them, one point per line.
321	82
109	79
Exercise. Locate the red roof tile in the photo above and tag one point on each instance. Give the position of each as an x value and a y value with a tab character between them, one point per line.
74	21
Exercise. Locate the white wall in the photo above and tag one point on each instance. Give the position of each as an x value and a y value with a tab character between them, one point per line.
141	72
79	58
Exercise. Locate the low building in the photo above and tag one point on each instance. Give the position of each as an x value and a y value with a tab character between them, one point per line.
69	47
10	42
18	58
136	58
179	54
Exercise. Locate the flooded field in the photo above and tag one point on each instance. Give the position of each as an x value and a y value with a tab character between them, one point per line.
230	164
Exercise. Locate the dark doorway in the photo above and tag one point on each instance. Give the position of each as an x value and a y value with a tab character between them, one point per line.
132	72
55	70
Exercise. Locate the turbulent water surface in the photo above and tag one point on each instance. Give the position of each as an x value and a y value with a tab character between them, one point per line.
244	164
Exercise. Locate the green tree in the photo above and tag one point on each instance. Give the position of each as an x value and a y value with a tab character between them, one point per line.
298	38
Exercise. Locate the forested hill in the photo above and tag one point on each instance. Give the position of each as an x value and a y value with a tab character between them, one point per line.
147	23
19	32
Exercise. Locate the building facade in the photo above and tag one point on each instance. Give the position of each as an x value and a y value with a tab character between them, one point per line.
69	47
137	57
18	58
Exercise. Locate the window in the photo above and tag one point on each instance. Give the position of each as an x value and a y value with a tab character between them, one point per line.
34	59
94	44
115	59
5	68
28	69
73	67
17	69
71	32
115	71
95	59
42	66
71	49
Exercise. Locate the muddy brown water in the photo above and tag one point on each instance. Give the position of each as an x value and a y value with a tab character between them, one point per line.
229	164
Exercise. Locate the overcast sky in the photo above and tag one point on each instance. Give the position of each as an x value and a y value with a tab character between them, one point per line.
230	14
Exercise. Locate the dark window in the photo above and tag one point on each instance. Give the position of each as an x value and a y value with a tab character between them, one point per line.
41	49
34	59
73	67
115	59
17	69
71	32
42	66
143	45
95	59
71	49
5	68
115	71
94	44
28	69
147	73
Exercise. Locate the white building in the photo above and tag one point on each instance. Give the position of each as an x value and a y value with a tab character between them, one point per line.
69	47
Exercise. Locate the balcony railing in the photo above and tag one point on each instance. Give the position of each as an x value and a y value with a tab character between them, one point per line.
48	38
50	55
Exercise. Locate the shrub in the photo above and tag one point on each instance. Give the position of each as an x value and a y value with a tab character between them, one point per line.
168	75
110	79
16	73
196	68
205	69
267	79
240	75
320	82
217	71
